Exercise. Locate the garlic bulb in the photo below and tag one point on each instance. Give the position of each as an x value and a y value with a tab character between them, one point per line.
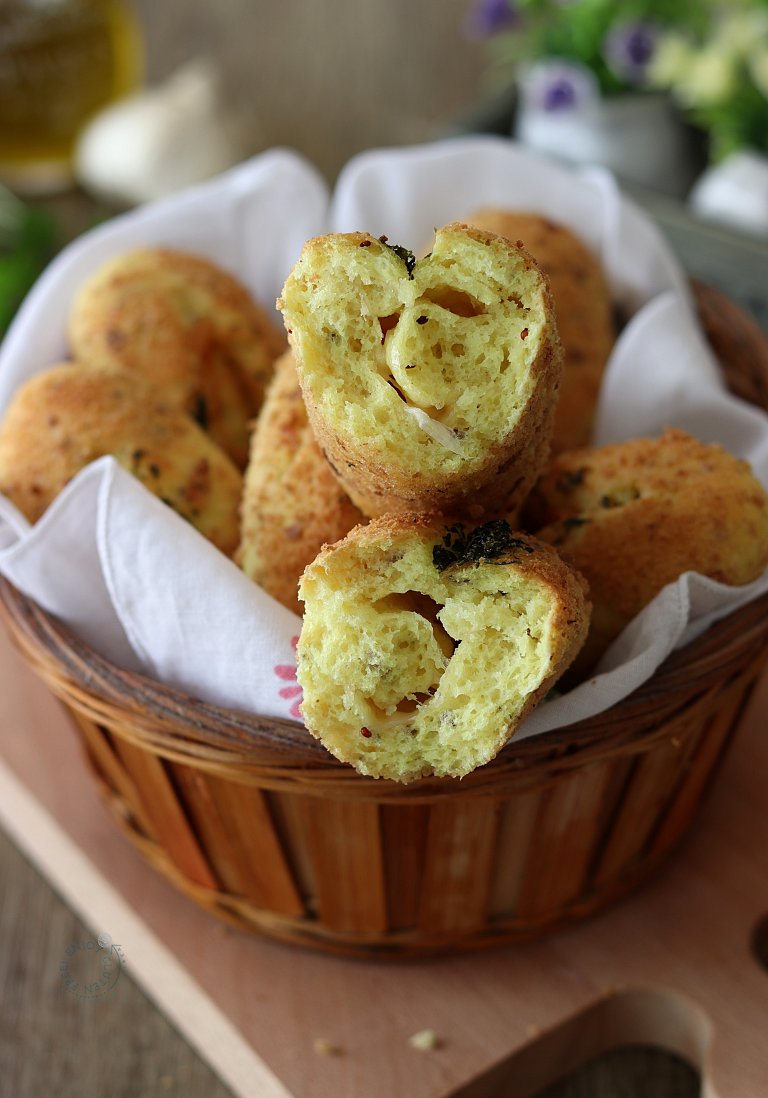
151	144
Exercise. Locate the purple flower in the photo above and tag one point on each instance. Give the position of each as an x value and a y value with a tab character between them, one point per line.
560	95
488	17
628	49
553	86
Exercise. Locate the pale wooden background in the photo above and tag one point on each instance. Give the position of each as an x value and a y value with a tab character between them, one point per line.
327	77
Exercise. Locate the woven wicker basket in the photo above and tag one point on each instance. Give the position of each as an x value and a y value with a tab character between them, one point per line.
255	821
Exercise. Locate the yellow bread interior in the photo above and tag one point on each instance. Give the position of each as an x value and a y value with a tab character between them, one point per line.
584	313
409	669
424	369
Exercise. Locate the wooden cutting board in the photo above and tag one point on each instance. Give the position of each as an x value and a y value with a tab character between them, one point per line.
670	966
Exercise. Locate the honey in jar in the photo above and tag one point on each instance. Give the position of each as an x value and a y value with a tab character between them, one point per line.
60	61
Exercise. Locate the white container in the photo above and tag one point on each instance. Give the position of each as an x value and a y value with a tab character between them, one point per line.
638	136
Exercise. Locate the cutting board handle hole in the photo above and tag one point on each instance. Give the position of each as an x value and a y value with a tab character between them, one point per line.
759	941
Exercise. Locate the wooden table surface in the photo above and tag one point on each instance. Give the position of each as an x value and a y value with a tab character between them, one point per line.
330	79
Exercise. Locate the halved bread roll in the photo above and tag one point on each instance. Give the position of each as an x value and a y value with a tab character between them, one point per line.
70	415
424	648
430	385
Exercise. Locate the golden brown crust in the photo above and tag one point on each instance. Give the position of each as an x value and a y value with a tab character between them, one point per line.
186	326
70	415
635	515
370	342
583	308
292	503
387	685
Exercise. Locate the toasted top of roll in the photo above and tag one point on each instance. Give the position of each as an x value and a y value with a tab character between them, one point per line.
292	503
424	380
635	515
70	415
423	648
583	308
188	327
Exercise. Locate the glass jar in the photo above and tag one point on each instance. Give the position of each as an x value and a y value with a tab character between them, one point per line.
60	61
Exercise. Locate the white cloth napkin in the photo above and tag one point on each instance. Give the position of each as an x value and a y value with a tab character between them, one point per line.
131	578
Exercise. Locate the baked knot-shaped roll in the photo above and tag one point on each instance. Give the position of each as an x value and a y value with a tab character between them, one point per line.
429	385
70	415
583	308
185	326
292	503
635	515
424	648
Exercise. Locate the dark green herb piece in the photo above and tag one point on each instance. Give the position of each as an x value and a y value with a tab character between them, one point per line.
571	480
487	544
568	525
200	412
408	258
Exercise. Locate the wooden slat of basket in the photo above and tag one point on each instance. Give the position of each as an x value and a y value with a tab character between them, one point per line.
714	740
249	827
292	824
113	772
649	791
211	831
461	844
404	840
564	839
517	819
169	822
345	841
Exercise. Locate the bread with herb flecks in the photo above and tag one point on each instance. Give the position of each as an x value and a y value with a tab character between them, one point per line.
70	415
292	503
430	385
633	516
423	647
182	324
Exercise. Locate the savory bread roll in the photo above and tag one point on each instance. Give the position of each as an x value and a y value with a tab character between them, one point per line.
430	385
424	648
70	415
186	326
292	503
583	309
635	515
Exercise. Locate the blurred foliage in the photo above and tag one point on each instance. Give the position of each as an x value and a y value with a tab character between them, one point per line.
578	30
710	55
29	238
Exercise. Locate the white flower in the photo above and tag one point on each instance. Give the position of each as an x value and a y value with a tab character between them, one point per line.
671	61
710	78
741	32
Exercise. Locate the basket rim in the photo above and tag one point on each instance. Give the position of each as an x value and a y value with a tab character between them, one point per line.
72	668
